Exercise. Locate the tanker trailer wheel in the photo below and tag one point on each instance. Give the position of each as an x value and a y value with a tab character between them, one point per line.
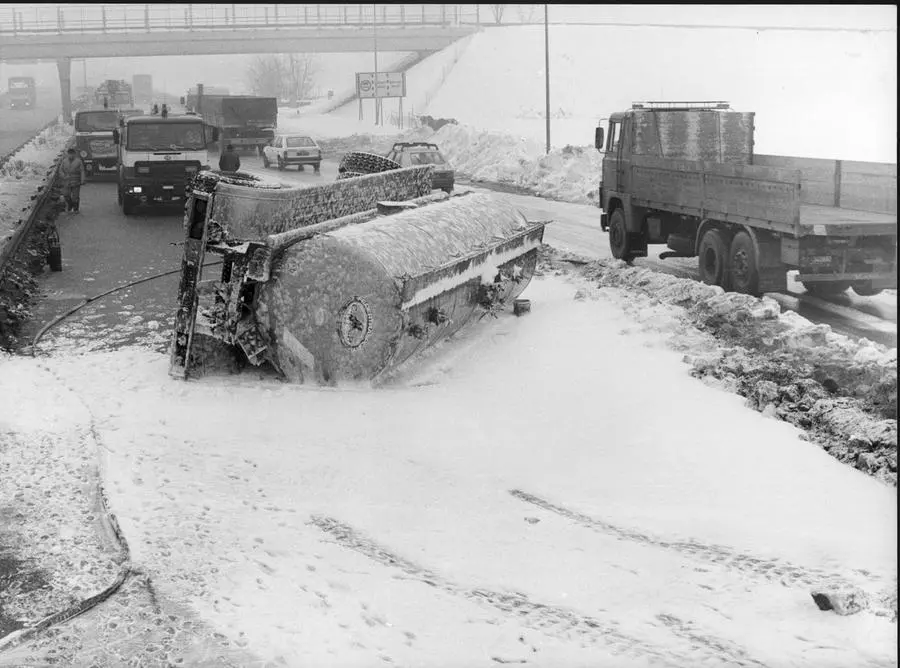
826	288
713	259
864	288
743	265
619	240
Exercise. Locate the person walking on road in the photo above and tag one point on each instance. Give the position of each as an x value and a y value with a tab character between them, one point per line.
71	169
230	161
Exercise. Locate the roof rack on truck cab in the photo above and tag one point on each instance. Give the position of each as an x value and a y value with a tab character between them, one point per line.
682	105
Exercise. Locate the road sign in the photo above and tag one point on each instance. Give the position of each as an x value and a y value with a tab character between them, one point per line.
390	84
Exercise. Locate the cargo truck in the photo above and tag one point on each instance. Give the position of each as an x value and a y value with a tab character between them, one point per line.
22	93
244	121
684	174
114	94
157	156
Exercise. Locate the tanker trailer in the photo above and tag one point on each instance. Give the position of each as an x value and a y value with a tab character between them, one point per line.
348	280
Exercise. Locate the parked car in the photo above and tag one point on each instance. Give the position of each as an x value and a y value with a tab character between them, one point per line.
292	149
408	154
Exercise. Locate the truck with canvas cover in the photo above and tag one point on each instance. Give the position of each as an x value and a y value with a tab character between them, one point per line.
344	281
685	174
22	93
157	157
114	94
244	121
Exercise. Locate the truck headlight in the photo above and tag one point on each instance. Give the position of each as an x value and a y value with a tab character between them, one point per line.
83	154
136	189
143	170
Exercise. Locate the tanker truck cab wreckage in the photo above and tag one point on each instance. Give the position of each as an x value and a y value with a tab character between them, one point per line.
158	156
342	281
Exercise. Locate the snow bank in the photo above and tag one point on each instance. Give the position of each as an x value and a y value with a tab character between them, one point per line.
843	392
25	171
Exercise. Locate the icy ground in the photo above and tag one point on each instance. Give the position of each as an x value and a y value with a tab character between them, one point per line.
554	489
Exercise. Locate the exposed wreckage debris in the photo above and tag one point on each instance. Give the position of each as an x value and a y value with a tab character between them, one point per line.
343	281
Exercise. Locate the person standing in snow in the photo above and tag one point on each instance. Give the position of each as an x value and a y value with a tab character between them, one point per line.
230	161
71	171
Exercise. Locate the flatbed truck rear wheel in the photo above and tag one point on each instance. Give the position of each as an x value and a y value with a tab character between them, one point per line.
712	258
743	264
865	289
826	288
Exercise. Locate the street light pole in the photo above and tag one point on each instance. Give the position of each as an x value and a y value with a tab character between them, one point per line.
375	45
547	73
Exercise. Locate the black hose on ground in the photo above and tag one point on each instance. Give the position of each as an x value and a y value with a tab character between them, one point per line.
46	328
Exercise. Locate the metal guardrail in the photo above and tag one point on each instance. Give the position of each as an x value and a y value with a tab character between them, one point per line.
106	18
9	249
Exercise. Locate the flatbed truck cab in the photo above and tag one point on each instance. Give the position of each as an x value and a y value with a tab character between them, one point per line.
158	156
685	174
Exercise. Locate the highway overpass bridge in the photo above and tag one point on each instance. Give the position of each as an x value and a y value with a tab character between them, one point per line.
61	32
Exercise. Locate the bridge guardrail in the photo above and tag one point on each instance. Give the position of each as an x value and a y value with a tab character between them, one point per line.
75	18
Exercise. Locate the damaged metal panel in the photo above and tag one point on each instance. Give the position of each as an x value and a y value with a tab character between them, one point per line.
251	214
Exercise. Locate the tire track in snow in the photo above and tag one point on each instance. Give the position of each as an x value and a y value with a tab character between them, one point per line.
552	620
775	570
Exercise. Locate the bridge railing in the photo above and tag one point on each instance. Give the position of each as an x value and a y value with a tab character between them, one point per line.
97	18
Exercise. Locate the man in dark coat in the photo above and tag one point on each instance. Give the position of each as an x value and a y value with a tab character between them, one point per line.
230	161
71	171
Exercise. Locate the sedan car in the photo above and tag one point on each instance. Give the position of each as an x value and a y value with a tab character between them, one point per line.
408	154
292	149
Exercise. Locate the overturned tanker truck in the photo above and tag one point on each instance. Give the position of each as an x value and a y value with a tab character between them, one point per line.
342	281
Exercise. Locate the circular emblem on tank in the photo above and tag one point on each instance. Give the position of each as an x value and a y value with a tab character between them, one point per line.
355	323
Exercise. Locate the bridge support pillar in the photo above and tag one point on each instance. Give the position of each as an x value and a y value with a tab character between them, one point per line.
64	67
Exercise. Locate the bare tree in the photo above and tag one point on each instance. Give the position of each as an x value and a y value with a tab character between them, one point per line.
497	11
526	13
290	76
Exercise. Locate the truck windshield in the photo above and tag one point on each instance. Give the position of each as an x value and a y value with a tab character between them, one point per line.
95	121
164	136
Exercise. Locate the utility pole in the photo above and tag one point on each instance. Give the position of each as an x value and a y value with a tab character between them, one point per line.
375	44
547	73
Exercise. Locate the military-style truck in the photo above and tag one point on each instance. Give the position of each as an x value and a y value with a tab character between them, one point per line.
22	93
244	121
685	174
114	94
157	157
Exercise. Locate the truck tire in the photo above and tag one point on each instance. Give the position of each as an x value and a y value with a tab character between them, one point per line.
54	258
865	289
743	265
128	205
826	289
619	239
712	258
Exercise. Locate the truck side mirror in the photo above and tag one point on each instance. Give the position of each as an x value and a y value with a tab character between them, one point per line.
115	136
598	139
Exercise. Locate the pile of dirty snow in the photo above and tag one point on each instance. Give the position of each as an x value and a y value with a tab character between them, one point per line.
842	392
27	169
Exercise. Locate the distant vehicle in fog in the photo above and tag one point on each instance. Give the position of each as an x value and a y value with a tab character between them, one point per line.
142	88
22	93
293	149
114	94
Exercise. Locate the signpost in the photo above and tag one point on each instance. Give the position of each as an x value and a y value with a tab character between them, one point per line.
389	84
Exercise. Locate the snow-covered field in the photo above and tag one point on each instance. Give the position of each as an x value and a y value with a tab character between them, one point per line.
554	489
